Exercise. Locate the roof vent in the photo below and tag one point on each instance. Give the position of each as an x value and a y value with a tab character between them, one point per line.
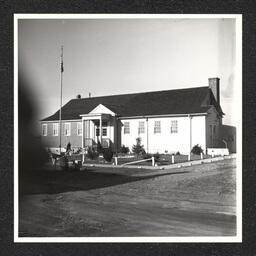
78	96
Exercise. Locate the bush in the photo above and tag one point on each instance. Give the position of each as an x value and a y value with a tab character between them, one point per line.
99	148
108	154
146	155
197	150
92	154
156	156
124	149
138	148
177	153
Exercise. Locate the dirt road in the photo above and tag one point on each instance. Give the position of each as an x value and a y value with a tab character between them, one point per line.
192	201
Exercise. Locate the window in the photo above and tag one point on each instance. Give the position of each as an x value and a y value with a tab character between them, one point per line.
126	127
55	129
141	127
44	129
104	131
157	127
174	126
79	129
67	129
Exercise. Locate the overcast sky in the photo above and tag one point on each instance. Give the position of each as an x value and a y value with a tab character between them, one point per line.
118	56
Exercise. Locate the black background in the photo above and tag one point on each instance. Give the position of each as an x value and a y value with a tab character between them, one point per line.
8	8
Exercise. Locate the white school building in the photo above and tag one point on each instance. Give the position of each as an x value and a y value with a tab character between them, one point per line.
166	121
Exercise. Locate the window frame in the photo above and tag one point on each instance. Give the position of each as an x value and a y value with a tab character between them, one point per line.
174	127
77	129
53	129
126	127
157	128
141	127
104	129
46	129
69	125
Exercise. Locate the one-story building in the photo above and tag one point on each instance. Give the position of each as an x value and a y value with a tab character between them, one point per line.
166	121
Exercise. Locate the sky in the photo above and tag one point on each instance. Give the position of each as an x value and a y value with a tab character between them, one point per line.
119	56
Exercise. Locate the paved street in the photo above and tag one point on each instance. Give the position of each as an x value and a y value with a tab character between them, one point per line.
192	201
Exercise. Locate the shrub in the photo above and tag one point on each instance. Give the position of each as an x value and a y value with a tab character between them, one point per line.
156	156
146	155
197	150
108	154
138	148
64	163
177	153
92	154
99	148
124	149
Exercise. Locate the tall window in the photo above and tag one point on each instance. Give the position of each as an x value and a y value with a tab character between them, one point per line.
174	126
141	128
55	129
67	129
104	131
157	127
126	127
44	129
79	128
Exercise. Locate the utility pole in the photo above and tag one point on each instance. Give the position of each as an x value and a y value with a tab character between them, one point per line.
61	81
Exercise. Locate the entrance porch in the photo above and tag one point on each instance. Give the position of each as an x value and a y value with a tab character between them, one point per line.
98	128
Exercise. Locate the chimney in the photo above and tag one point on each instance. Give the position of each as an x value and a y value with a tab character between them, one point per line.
90	95
78	96
214	85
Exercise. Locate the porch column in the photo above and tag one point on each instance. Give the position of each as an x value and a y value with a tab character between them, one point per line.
101	129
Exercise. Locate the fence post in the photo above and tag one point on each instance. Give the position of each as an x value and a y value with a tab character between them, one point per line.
202	156
172	159
115	160
153	161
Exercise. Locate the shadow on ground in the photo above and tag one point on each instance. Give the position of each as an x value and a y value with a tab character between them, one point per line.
52	182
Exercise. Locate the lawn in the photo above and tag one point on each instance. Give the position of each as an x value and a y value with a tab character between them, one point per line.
192	201
164	159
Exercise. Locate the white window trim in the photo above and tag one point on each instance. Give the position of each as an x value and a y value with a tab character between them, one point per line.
77	124
69	129
155	126
128	127
44	125
173	126
141	129
55	124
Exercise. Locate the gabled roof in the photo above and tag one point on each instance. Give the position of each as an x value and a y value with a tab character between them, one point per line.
179	101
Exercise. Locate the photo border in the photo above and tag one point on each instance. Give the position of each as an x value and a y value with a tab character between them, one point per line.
238	106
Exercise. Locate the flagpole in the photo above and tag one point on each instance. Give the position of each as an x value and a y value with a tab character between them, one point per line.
61	81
